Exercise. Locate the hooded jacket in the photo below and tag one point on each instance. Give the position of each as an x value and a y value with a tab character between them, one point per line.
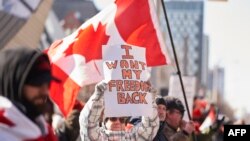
15	65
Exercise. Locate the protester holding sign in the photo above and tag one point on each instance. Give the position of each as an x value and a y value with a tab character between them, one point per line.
125	69
77	59
113	128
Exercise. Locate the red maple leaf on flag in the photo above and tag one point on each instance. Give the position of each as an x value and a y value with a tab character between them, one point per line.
89	42
76	59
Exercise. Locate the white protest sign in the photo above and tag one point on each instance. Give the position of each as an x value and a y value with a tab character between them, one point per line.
175	90
126	72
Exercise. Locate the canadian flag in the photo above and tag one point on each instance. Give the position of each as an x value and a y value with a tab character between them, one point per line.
15	126
77	59
209	120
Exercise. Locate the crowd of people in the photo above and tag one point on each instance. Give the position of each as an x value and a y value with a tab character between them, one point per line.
27	113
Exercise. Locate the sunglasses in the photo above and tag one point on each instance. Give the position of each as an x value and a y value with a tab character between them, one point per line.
121	119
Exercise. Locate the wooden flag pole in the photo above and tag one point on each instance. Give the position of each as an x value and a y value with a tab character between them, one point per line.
177	63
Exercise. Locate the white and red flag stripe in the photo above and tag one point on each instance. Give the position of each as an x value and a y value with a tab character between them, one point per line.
77	58
209	120
15	126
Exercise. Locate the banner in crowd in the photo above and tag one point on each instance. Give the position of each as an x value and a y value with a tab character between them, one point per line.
77	59
175	90
126	72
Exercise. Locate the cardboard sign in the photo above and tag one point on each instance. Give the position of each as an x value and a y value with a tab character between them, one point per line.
126	72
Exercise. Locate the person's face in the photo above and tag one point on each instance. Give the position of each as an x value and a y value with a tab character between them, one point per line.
115	124
36	95
162	111
174	118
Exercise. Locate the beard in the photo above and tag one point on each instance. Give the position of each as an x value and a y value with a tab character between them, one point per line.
33	110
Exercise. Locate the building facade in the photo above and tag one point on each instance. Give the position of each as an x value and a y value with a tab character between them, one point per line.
72	13
186	24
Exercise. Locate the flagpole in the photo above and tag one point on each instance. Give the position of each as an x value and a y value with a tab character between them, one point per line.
176	60
177	63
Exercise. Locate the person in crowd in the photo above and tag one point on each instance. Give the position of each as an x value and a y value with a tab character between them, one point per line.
207	131
162	111
179	137
69	129
25	76
174	119
200	111
113	128
219	134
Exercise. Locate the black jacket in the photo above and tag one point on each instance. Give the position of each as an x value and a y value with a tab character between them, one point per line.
70	128
160	134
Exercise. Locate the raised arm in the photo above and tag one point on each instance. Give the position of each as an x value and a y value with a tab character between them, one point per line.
91	114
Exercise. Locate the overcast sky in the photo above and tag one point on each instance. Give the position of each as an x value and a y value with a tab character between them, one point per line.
228	27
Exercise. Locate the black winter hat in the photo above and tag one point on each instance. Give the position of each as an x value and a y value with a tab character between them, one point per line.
175	103
40	72
161	101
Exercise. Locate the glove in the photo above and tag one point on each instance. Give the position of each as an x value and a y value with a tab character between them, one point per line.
99	90
153	91
72	121
69	131
188	127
